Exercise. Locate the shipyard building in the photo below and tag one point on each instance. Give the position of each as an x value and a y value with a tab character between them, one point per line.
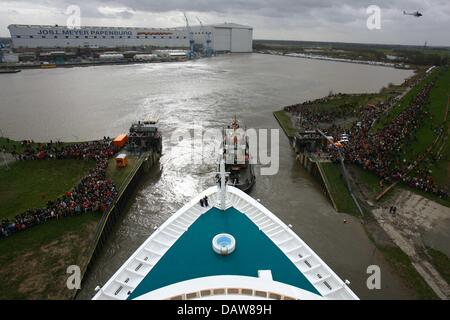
227	37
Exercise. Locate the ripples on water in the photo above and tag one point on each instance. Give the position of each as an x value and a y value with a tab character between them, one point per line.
88	103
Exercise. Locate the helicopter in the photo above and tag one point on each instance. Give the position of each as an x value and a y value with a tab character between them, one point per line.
416	14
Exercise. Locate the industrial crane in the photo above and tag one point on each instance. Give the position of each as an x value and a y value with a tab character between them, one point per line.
207	50
191	52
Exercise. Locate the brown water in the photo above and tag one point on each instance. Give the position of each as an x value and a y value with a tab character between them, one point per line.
88	103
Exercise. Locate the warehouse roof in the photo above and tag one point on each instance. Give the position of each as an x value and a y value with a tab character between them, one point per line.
231	25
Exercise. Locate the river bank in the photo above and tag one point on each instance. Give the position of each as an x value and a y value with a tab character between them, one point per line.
51	245
127	182
369	62
20	66
378	235
400	236
42	252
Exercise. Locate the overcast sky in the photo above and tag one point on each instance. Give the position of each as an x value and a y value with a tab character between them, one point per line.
320	20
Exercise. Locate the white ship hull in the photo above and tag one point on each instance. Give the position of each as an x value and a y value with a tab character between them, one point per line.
322	282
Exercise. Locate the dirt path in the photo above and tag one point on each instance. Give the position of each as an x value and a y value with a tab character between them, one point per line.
415	215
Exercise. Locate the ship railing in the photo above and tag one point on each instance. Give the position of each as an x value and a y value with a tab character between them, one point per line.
232	291
296	249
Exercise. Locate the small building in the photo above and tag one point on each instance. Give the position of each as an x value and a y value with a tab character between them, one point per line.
27	57
310	141
9	57
121	160
111	57
58	57
170	53
120	141
145	57
129	54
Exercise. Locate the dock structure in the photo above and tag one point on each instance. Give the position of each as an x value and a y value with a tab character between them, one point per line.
145	136
144	141
309	141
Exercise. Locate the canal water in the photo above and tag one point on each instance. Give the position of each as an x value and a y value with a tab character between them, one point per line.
88	103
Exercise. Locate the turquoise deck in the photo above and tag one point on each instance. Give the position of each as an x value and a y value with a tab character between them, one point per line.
192	256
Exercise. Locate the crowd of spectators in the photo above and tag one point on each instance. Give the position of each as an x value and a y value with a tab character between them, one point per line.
94	193
380	151
309	115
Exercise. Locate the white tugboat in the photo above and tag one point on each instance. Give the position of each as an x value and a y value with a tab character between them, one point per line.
236	154
232	247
